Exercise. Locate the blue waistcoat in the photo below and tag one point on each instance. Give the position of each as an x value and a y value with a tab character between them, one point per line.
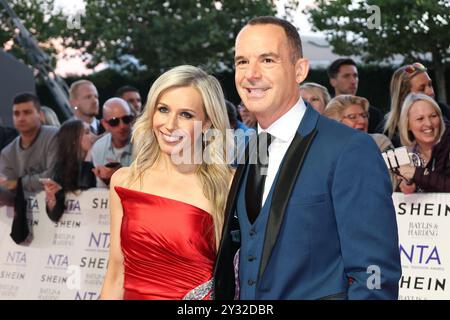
252	241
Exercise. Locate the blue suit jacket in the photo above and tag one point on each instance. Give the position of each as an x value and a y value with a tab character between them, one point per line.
331	220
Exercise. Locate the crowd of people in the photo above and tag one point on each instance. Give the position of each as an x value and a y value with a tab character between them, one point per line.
313	198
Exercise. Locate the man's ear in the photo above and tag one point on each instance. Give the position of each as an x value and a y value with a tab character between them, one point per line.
73	103
301	69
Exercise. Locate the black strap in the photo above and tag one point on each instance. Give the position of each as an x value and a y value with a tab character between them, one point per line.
19	228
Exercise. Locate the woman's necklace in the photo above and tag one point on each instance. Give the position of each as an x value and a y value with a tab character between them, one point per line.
423	159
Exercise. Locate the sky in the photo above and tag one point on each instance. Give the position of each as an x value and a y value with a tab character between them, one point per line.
300	21
67	66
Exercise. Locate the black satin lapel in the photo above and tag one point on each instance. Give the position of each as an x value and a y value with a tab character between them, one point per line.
287	178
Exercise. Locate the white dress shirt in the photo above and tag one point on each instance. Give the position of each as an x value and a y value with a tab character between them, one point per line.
283	132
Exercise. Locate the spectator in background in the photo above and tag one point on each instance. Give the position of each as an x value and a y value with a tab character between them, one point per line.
424	131
49	117
406	79
6	136
247	117
240	137
132	96
233	117
28	158
316	95
343	77
71	173
353	111
84	101
113	150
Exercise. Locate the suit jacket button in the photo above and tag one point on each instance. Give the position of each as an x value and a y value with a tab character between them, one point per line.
251	282
252	232
251	258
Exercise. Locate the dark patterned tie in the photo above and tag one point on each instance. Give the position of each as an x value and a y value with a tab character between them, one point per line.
257	176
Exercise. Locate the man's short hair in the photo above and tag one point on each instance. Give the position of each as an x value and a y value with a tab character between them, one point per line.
27	97
334	67
124	89
291	33
74	87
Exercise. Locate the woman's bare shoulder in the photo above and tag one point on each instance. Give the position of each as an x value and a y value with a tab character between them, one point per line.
120	177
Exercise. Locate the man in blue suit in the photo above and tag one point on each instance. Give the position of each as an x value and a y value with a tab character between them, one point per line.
321	224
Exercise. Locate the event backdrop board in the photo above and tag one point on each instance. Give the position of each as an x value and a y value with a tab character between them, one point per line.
68	260
424	232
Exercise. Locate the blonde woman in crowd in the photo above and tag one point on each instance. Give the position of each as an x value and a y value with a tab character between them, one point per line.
316	95
353	111
425	133
411	78
167	217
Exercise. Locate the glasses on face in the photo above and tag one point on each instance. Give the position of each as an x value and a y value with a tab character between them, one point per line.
114	122
355	116
416	66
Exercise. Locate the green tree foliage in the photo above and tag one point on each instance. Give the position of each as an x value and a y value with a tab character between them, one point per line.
40	17
158	34
161	34
416	29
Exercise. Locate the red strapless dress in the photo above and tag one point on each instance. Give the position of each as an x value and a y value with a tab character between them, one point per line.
167	247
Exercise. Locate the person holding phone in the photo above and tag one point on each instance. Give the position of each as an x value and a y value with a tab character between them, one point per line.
114	149
71	172
426	134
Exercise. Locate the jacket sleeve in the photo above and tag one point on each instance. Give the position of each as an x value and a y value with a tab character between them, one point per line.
437	180
31	182
366	221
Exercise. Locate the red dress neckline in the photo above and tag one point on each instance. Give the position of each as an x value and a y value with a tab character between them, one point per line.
162	197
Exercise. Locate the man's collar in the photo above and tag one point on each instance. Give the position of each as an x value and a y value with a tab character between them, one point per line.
285	127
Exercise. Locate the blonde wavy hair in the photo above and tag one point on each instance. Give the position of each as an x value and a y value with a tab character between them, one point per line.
317	88
400	87
215	176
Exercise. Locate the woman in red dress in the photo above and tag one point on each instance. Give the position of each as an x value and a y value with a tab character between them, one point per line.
167	207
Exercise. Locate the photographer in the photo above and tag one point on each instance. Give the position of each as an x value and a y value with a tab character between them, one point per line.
424	132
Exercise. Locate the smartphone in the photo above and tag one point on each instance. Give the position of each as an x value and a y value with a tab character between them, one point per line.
45	180
112	164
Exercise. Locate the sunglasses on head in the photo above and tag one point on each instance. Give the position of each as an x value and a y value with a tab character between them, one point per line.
417	66
114	122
